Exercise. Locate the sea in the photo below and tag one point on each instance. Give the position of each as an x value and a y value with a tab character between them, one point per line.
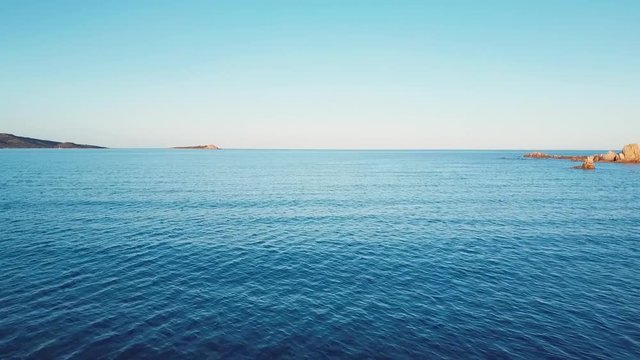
316	254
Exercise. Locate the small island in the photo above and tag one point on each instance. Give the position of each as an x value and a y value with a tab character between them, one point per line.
10	141
199	147
630	154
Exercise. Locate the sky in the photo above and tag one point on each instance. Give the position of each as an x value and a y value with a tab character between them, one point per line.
335	74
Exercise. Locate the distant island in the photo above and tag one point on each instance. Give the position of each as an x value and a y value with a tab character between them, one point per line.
630	154
200	147
10	141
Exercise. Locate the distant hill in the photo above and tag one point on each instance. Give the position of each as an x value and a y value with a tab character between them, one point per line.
202	147
9	141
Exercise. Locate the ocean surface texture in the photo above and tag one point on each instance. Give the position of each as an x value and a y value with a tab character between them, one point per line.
174	254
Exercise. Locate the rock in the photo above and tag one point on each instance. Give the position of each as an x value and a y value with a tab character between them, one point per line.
631	152
588	164
610	156
539	155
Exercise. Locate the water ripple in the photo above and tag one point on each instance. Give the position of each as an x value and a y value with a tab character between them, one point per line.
302	254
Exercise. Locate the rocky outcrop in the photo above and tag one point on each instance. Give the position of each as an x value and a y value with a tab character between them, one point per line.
588	164
630	154
608	157
539	155
9	141
200	147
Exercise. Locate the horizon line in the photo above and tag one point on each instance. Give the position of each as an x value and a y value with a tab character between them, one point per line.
332	149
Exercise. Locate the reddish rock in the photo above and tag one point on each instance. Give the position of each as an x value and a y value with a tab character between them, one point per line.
610	156
588	164
539	155
631	153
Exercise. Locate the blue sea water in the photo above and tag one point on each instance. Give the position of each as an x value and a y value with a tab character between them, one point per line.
316	254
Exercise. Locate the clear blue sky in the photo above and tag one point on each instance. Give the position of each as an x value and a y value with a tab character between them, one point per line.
538	74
